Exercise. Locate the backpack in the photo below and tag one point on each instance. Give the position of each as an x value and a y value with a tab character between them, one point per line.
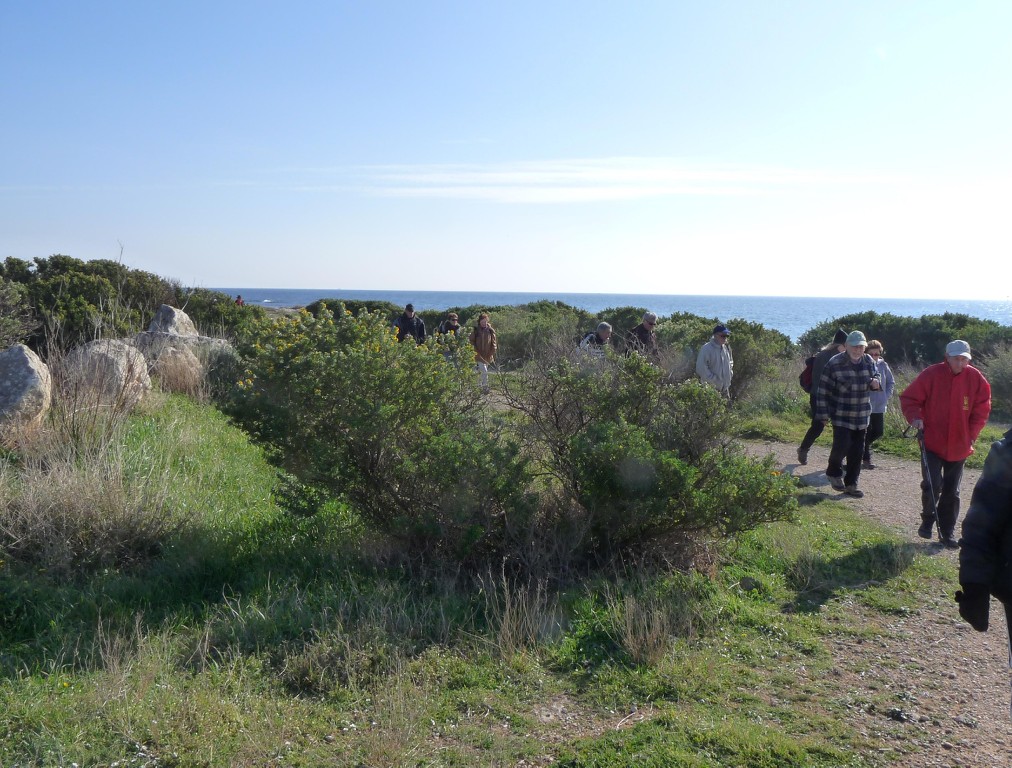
805	377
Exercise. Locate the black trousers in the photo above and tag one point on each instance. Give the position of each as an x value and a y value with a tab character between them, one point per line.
876	427
940	481
813	431
847	444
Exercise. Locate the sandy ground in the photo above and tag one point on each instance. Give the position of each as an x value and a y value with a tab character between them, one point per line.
950	684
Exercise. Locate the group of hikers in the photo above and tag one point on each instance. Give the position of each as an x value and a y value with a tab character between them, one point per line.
851	385
482	339
948	404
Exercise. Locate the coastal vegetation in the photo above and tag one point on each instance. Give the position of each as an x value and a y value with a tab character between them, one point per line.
336	550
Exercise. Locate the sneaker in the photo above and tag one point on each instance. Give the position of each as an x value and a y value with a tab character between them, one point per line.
948	542
836	482
802	456
853	490
867	465
925	530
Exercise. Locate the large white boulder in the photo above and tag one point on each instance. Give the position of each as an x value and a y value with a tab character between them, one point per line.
26	387
105	372
172	321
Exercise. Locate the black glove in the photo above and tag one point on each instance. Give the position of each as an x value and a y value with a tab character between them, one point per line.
974	603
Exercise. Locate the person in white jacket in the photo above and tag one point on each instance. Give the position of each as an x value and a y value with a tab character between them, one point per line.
715	363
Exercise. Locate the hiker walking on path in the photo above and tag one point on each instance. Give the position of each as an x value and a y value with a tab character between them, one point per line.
642	338
485	344
948	404
409	324
715	363
844	399
879	400
595	342
835	347
985	555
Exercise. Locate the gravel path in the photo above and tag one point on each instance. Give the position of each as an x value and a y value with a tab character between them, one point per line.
949	684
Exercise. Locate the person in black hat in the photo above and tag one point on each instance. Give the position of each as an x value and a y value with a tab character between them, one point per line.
410	324
835	347
715	363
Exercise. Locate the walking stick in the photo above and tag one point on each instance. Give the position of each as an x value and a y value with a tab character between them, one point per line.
927	478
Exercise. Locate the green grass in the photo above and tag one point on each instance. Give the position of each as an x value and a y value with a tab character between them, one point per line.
257	636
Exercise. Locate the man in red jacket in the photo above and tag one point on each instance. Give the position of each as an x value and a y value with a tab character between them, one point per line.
950	403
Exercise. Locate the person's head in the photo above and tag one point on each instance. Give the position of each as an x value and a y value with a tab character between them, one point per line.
483	320
721	334
856	345
650	319
875	349
604	331
957	355
409	309
453	318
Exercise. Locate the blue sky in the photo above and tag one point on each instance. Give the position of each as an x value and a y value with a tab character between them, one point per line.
759	148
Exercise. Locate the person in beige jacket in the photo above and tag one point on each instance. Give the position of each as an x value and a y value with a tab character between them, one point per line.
485	345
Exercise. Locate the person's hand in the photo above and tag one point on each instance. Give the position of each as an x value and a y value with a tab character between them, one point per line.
917	424
875	385
974	603
825	422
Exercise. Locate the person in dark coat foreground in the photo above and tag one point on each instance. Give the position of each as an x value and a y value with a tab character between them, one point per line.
985	555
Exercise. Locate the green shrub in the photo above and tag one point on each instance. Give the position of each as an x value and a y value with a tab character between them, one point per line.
915	340
390	426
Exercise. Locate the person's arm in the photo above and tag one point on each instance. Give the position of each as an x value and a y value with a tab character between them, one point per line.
889	380
912	401
703	370
984	530
980	410
824	397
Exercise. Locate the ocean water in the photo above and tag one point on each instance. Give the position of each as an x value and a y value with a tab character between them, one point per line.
791	316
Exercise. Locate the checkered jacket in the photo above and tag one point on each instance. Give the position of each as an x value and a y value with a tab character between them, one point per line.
843	396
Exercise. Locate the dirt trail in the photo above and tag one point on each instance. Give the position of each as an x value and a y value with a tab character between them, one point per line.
949	684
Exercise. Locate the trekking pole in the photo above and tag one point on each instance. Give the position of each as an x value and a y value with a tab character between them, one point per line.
927	478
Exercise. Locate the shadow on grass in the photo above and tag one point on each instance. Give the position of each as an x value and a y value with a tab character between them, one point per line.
818	579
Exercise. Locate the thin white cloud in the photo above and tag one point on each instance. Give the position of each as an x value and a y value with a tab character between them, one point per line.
591	180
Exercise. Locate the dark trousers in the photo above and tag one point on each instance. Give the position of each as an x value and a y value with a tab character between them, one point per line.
876	427
813	431
942	478
849	444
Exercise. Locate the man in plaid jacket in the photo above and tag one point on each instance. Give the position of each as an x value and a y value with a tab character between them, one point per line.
843	399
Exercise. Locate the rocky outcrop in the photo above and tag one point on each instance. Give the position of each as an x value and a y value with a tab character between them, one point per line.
107	372
172	321
26	387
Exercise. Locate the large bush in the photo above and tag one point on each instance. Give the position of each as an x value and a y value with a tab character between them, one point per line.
638	461
390	426
75	301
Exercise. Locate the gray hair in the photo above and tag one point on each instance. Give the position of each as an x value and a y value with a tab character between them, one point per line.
603	327
649	317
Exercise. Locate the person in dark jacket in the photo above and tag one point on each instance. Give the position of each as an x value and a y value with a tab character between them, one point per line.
642	338
985	555
836	346
595	342
409	324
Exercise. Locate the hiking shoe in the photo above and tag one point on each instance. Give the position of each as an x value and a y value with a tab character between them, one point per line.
925	530
853	490
836	482
802	456
867	465
949	543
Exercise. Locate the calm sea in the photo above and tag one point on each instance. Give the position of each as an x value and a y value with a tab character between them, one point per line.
791	316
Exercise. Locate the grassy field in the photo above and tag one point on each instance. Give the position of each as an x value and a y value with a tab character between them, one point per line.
261	637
